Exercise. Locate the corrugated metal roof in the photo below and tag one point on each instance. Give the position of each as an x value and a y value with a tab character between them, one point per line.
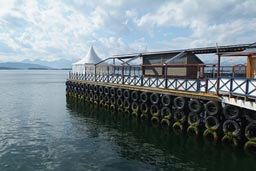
204	50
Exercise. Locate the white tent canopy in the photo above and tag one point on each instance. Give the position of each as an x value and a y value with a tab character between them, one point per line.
86	64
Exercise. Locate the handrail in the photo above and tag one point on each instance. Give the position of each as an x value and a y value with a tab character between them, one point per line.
243	87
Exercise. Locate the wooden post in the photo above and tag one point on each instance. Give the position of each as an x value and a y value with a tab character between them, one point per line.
249	66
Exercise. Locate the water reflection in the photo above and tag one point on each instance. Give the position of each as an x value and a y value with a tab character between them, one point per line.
139	141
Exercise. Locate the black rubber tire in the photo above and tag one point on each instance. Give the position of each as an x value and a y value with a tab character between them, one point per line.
91	95
195	106
126	94
154	110
250	116
95	97
91	87
179	102
135	106
113	100
101	89
250	131
144	97
179	115
231	112
154	98
127	104
81	85
119	92
86	87
166	100
106	99
144	107
112	92
212	107
211	122
119	102
194	119
135	95
166	111
95	88
231	126
106	91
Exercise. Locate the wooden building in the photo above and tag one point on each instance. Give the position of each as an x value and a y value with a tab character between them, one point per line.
177	64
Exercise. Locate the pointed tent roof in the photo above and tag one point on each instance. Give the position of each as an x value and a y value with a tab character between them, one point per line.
90	58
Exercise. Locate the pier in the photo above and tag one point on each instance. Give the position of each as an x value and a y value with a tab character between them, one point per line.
175	89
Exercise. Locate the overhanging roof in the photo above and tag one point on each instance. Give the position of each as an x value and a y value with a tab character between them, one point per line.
204	50
247	52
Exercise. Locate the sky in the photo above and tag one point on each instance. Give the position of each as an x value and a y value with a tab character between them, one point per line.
66	29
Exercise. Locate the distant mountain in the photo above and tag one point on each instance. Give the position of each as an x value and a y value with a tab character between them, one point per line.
21	65
62	63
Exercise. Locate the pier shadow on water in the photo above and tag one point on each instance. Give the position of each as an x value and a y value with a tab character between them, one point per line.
156	148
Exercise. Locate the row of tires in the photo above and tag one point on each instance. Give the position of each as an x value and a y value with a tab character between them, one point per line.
181	103
228	124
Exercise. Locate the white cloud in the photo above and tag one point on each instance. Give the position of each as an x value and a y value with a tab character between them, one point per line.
52	30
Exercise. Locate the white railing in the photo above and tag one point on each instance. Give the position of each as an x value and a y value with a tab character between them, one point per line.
233	86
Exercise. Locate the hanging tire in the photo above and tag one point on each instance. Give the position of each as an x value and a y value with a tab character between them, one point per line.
166	112
101	99
250	131
135	95
119	92
106	100
119	102
166	100
91	96
135	106
86	87
211	135
155	121
179	102
82	86
250	147
101	89
113	100
91	87
126	94
144	116
112	91
144	108
231	112
144	97
212	107
195	106
154	110
231	127
177	126
106	91
250	116
165	122
154	98
192	129
95	97
95	88
227	139
127	104
179	115
212	123
194	119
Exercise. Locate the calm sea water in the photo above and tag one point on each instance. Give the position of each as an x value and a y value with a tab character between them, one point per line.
42	130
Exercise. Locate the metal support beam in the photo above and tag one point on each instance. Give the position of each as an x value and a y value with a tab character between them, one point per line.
175	57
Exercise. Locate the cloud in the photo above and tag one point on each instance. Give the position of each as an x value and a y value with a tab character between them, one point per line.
53	30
